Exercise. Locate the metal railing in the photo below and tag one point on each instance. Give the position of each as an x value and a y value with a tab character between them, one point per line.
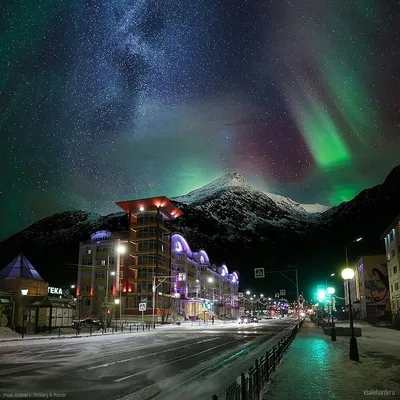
249	385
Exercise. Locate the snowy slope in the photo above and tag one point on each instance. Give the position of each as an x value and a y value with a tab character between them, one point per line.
235	180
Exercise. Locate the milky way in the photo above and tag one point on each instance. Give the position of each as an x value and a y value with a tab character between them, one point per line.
109	100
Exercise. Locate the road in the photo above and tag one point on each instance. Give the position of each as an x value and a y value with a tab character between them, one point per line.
164	364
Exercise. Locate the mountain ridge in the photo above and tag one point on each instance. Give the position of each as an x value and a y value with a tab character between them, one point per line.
234	222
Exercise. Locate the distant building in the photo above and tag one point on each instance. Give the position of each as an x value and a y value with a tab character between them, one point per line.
42	310
185	281
202	289
391	236
103	260
370	289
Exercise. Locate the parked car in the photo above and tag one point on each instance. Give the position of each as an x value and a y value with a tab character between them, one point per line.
244	319
254	319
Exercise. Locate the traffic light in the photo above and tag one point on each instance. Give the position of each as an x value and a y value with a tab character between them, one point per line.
321	295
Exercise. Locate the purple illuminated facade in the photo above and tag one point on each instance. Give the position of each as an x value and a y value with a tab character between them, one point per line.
201	289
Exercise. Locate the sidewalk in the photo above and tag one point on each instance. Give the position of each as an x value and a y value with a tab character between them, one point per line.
317	368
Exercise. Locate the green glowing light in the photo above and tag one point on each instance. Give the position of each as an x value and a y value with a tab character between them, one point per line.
322	136
343	193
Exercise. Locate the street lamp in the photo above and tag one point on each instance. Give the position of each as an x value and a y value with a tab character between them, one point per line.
24	293
331	291
248	292
72	286
321	299
116	302
348	275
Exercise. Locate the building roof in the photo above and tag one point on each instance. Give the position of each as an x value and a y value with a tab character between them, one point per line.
20	267
150	203
390	227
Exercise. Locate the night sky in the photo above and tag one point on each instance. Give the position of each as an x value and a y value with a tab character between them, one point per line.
109	100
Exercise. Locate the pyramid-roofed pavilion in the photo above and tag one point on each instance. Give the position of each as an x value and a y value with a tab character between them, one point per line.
20	267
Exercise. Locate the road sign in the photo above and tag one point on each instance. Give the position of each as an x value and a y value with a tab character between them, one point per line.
282	292
181	277
259	272
142	306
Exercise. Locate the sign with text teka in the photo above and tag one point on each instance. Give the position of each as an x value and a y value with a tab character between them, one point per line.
142	306
259	272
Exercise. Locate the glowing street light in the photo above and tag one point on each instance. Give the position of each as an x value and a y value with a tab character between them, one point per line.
348	275
248	292
24	293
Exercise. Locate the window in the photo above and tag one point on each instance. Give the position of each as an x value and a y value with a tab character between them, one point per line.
388	256
146	287
103	248
391	287
145	272
395	269
101	288
146	232
147	259
391	235
85	288
393	254
88	250
396	286
100	275
87	261
87	302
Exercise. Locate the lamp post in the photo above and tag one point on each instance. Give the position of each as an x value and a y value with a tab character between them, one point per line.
121	249
24	292
331	291
321	299
348	275
116	301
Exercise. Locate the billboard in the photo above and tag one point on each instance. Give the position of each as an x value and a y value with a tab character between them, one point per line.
376	285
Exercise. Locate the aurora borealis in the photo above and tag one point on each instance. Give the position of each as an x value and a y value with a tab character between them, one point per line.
109	100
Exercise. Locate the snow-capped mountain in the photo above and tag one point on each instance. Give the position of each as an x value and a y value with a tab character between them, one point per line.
234	222
235	180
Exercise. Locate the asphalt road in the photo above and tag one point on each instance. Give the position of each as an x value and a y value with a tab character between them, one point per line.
165	364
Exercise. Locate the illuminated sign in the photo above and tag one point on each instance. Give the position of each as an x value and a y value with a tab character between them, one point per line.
181	277
54	290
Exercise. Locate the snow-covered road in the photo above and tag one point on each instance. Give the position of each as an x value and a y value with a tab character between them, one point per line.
187	362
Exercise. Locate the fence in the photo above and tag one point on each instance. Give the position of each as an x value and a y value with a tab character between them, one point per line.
258	375
123	327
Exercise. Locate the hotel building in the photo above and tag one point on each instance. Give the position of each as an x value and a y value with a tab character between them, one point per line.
149	256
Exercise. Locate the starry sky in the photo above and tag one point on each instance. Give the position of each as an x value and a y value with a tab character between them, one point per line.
109	100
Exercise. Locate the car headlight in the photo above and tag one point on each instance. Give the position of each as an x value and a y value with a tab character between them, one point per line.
245	320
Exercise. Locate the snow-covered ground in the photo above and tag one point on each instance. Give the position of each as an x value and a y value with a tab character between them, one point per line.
172	362
7	335
317	368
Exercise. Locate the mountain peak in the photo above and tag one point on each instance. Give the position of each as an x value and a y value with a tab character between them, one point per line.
228	180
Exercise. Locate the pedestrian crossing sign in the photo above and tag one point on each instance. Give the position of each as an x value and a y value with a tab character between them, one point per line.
259	272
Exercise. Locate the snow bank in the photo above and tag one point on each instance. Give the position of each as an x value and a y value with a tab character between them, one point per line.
7	333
